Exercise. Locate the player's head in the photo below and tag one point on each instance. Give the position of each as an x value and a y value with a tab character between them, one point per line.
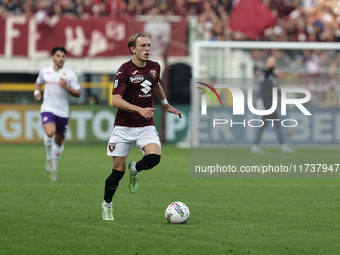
56	48
59	56
139	45
271	62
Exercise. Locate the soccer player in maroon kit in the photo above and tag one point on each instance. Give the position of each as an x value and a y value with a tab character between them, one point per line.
137	81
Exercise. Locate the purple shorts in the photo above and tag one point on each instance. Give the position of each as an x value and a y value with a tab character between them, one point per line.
60	123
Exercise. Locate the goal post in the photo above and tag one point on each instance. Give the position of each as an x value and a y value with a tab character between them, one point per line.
313	66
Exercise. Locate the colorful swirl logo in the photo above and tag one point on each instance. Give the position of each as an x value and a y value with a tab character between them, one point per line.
209	93
204	97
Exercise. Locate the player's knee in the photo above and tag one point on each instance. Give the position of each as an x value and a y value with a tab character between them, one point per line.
148	162
153	160
115	177
50	133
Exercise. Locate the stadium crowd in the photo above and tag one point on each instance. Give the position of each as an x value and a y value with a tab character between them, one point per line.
296	20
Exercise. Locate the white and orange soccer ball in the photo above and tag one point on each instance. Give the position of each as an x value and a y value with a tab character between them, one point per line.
177	212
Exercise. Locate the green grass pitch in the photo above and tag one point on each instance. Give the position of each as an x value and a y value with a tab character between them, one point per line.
228	216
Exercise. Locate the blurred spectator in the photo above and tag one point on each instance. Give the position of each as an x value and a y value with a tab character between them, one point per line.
207	19
134	8
313	62
148	5
331	98
298	65
87	8
10	7
43	9
217	32
93	100
114	7
67	8
27	8
195	6
164	8
301	34
335	65
283	8
180	8
99	10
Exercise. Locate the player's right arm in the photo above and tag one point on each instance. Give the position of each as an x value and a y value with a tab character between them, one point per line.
37	91
37	86
120	103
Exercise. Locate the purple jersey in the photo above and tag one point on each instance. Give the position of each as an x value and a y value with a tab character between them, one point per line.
137	86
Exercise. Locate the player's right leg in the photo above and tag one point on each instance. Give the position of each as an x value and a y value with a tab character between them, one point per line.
55	129
111	185
49	124
119	147
255	148
284	147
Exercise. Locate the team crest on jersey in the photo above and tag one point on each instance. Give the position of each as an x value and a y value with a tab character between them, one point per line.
136	78
112	147
153	73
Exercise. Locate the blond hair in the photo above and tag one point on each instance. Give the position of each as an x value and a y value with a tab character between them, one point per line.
133	40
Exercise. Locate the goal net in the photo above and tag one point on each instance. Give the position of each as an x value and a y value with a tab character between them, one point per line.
308	67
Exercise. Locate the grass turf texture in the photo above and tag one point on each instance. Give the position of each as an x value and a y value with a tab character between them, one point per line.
228	216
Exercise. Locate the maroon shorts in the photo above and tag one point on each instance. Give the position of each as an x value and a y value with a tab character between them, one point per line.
60	123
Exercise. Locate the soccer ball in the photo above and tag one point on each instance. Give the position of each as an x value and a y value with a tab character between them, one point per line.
177	212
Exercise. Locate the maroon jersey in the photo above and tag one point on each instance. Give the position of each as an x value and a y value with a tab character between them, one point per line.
137	86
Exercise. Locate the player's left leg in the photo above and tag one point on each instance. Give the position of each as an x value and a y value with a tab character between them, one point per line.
57	150
58	146
48	142
148	142
151	159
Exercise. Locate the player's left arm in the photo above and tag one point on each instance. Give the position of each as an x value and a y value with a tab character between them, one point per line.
73	88
159	92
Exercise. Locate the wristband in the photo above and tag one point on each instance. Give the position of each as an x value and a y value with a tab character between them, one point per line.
164	101
36	92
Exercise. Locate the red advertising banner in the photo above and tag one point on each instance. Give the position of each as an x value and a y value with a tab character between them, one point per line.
100	37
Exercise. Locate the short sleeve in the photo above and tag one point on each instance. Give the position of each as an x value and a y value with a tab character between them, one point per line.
119	85
159	71
73	81
40	78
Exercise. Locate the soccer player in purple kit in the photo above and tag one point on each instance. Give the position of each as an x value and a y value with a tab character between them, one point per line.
136	83
59	82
